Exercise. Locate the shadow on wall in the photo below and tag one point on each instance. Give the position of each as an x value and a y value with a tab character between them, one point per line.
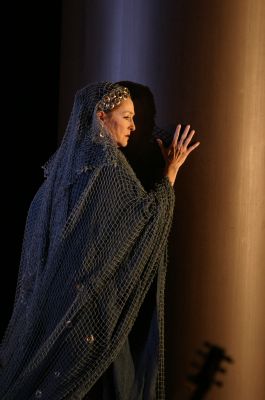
142	151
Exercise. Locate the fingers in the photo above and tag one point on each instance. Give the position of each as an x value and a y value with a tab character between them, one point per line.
178	151
191	148
185	140
184	135
182	146
188	140
176	135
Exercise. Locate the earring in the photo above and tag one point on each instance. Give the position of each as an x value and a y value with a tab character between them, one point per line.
101	130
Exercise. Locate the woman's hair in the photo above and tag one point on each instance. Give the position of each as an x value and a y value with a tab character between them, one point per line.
113	98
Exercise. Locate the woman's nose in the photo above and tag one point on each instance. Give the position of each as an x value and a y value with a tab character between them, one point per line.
132	127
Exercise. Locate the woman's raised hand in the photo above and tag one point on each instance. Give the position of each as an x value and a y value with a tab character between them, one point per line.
178	151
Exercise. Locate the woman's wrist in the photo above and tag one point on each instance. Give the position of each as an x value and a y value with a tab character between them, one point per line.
171	173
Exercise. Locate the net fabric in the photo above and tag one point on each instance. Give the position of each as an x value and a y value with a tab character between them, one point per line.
94	242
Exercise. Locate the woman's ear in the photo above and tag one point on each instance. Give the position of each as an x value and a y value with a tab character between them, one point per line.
101	115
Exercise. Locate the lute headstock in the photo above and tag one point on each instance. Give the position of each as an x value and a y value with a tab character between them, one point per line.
209	371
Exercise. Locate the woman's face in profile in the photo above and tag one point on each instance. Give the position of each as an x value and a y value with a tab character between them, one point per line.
119	122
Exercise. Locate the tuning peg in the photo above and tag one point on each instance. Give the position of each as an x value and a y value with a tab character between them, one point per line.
228	359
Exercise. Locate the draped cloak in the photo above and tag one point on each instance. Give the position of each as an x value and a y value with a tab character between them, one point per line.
95	242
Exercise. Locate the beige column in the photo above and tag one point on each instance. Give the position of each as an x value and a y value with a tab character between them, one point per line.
216	279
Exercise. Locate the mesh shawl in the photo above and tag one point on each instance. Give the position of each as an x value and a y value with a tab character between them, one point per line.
94	242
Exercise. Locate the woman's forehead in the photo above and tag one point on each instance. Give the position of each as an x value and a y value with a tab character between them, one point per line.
126	106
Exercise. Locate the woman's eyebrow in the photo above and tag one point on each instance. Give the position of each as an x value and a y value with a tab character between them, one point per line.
130	112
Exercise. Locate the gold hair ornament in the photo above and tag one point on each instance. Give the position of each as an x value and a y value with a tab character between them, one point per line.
113	98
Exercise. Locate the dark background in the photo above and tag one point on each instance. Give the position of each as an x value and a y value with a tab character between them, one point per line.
32	59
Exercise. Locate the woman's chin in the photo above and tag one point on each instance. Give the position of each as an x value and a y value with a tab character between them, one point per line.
124	143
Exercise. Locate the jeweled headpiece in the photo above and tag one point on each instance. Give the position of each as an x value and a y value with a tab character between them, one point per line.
113	98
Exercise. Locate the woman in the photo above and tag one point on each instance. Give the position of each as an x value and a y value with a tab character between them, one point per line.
94	243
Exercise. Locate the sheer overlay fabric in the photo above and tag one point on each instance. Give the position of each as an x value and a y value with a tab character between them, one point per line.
95	242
